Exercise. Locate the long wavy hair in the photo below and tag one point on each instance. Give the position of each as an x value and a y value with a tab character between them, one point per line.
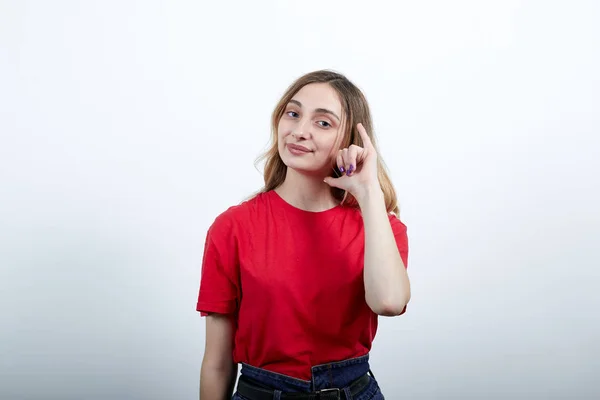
355	109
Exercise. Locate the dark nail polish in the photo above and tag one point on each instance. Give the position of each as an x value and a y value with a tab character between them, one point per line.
342	169
350	169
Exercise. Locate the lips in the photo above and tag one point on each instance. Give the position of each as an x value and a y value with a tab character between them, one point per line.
298	147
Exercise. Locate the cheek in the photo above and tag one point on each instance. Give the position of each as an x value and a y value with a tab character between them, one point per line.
283	130
328	145
280	133
326	152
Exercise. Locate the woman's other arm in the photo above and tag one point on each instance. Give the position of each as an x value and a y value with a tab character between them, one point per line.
218	372
387	286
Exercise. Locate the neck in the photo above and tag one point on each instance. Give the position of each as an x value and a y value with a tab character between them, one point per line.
306	192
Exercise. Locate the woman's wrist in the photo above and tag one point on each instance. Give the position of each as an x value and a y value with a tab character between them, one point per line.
369	194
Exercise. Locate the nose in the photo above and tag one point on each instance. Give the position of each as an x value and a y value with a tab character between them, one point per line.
302	128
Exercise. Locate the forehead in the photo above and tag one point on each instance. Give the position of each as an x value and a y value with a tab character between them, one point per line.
319	95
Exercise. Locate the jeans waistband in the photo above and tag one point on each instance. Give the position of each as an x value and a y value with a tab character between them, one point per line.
331	375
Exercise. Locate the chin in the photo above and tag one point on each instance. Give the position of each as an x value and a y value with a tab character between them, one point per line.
305	169
303	166
300	167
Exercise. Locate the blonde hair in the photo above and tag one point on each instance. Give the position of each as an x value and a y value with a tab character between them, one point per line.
355	109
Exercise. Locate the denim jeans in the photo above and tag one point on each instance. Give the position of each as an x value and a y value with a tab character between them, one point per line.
338	374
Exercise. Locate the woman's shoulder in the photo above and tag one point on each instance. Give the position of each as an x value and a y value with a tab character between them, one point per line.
241	213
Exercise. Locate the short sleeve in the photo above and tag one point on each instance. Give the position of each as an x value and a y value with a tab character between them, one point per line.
219	282
401	236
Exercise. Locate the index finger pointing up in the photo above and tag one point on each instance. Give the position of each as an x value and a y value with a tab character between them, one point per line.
365	137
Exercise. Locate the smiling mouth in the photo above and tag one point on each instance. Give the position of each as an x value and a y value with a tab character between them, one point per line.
297	148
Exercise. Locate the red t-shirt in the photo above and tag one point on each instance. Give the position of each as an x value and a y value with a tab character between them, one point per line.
294	281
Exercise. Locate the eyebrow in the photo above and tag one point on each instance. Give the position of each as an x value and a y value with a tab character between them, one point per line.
318	110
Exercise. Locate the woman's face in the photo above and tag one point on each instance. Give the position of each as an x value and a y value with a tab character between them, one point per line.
309	129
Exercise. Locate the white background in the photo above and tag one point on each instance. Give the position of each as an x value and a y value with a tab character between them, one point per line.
128	126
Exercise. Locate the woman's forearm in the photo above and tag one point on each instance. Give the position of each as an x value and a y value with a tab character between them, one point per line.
387	287
217	383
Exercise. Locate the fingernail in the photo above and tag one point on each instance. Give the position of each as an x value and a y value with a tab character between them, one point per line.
342	169
350	169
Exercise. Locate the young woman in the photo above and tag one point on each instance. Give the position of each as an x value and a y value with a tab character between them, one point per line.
293	279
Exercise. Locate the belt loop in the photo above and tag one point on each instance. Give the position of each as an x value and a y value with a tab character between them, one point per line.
277	394
348	393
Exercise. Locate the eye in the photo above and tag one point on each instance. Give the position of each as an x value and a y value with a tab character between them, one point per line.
294	114
325	124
